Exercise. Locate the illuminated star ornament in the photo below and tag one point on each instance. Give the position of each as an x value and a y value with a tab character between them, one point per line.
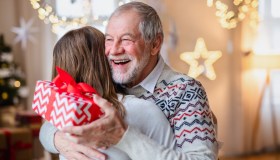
201	60
24	32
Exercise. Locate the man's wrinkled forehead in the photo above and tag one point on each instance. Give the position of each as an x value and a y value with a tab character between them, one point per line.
125	23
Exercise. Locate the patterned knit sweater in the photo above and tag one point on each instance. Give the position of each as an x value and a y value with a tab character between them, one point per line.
184	102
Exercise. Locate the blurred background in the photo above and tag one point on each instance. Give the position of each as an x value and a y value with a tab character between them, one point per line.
230	46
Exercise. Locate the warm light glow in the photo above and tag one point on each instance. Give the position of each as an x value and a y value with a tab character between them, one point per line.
66	19
5	95
209	3
265	61
266	40
17	84
201	60
229	19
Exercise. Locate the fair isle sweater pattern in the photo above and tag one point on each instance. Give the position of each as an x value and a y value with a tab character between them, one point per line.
184	102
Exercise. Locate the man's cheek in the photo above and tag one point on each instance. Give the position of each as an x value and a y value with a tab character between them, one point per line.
106	53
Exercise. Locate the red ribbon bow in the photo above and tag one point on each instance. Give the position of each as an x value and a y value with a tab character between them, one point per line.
66	83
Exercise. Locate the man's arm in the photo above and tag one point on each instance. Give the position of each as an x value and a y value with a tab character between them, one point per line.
193	121
55	141
103	132
137	145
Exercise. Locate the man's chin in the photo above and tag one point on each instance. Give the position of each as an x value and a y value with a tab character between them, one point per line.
121	80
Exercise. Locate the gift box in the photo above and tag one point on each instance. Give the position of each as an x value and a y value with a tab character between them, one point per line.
33	122
16	144
27	118
63	102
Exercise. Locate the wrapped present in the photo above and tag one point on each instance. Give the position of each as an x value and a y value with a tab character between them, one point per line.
63	102
27	118
33	122
16	144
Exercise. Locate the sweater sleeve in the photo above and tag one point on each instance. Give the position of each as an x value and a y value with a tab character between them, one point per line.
46	137
185	104
138	146
192	122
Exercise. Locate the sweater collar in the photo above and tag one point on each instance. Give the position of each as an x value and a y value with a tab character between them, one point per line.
150	81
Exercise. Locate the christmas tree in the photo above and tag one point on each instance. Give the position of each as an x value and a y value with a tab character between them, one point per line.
12	82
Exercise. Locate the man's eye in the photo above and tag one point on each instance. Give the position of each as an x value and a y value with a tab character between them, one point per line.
126	41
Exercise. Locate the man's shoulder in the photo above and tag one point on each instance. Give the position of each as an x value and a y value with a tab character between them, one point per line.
170	76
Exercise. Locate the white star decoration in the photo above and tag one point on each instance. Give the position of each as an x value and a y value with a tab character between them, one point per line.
24	32
201	60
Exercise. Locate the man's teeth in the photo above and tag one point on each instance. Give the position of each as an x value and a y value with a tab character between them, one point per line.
120	61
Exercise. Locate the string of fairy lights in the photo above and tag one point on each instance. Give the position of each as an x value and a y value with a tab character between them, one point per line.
48	14
229	18
201	60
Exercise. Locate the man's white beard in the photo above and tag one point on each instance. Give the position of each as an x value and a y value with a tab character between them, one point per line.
133	72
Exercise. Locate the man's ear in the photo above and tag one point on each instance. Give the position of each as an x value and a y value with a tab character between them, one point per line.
156	45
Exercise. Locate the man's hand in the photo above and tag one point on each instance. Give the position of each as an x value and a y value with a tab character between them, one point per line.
72	150
104	132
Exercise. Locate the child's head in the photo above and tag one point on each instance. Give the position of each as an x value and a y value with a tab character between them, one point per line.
80	52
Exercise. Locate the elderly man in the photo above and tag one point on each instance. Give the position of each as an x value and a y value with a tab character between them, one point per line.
133	40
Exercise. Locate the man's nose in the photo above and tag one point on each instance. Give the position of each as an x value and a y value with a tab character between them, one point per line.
117	48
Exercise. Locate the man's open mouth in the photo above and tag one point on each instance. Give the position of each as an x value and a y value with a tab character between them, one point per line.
120	62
